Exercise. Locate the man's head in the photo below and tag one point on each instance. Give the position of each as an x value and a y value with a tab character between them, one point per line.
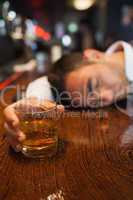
92	79
61	69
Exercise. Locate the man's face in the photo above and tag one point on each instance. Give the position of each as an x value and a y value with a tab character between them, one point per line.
95	85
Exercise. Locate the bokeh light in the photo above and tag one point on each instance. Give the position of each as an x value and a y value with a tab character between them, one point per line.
83	4
72	27
66	40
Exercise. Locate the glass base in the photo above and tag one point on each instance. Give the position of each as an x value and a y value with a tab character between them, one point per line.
39	152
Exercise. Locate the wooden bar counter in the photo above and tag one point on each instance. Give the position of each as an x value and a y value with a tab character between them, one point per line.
94	161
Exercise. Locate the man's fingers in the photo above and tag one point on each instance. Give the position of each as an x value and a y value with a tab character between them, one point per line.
60	108
11	117
93	55
16	134
14	143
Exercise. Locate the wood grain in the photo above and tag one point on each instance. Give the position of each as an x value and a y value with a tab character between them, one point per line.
94	162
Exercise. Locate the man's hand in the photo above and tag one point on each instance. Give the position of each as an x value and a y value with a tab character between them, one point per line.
14	135
95	56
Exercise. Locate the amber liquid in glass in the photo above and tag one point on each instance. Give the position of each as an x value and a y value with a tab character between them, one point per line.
41	137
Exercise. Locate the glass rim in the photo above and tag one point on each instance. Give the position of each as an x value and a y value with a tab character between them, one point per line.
36	112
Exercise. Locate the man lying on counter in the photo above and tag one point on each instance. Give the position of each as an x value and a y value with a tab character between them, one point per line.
93	79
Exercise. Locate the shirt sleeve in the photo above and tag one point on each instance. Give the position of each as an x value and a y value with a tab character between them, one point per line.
40	88
128	53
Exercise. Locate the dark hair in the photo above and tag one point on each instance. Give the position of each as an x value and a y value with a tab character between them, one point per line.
64	66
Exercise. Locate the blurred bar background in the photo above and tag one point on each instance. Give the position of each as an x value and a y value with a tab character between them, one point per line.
35	33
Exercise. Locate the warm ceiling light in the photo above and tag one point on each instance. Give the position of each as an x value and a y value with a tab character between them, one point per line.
83	4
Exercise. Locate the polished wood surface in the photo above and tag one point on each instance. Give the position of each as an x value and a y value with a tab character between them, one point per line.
94	162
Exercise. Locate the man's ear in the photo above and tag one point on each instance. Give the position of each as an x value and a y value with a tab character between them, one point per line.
93	55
